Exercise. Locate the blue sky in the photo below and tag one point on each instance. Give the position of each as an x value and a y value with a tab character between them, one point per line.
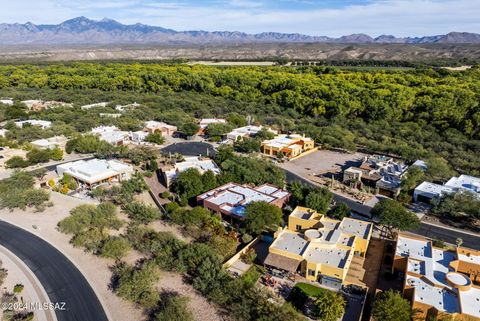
313	17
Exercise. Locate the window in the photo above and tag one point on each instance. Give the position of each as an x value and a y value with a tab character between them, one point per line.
298	227
311	272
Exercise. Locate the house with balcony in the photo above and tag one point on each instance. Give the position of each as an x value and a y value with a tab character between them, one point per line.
321	249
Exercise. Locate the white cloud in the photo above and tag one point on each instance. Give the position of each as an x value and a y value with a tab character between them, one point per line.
397	17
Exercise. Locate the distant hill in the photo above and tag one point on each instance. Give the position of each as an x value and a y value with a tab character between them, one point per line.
85	31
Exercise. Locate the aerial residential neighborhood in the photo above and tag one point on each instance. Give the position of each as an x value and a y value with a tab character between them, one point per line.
240	160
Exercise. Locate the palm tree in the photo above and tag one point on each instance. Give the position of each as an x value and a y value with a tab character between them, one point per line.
459	242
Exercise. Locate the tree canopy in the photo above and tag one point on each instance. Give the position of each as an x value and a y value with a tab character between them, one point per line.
393	216
262	216
391	306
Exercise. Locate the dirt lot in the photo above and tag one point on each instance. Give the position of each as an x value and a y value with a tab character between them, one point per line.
200	307
95	269
322	161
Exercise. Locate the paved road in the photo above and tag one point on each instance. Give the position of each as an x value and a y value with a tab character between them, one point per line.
445	234
190	149
62	281
449	235
354	206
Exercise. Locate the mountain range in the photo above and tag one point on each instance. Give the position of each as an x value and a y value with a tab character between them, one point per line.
84	31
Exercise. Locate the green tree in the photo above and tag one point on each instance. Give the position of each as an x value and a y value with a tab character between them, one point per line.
209	181
340	211
56	154
224	153
188	183
438	169
190	129
155	138
141	213
262	216
218	130
393	216
174	308
391	306
236	120
329	306
137	284
36	156
17	162
247	145
115	247
319	199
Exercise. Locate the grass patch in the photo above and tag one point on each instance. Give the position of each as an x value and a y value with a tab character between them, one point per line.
253	274
310	289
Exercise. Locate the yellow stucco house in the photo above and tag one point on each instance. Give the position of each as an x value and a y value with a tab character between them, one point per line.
290	145
321	249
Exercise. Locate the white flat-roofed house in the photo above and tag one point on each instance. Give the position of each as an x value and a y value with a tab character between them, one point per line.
90	173
153	126
111	135
122	108
6	101
138	136
439	282
231	199
50	143
247	131
110	115
34	122
86	107
426	192
203	165
465	183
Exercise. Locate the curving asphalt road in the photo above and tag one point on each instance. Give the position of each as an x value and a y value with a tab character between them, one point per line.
62	281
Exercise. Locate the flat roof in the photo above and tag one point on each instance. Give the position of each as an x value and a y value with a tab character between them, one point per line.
356	227
465	182
157	124
303	213
291	242
471	301
442	299
231	195
200	164
433	265
324	255
433	189
94	170
34	122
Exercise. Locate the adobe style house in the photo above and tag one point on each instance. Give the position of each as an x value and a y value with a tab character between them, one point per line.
290	145
231	199
93	172
439	282
153	126
377	172
321	249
